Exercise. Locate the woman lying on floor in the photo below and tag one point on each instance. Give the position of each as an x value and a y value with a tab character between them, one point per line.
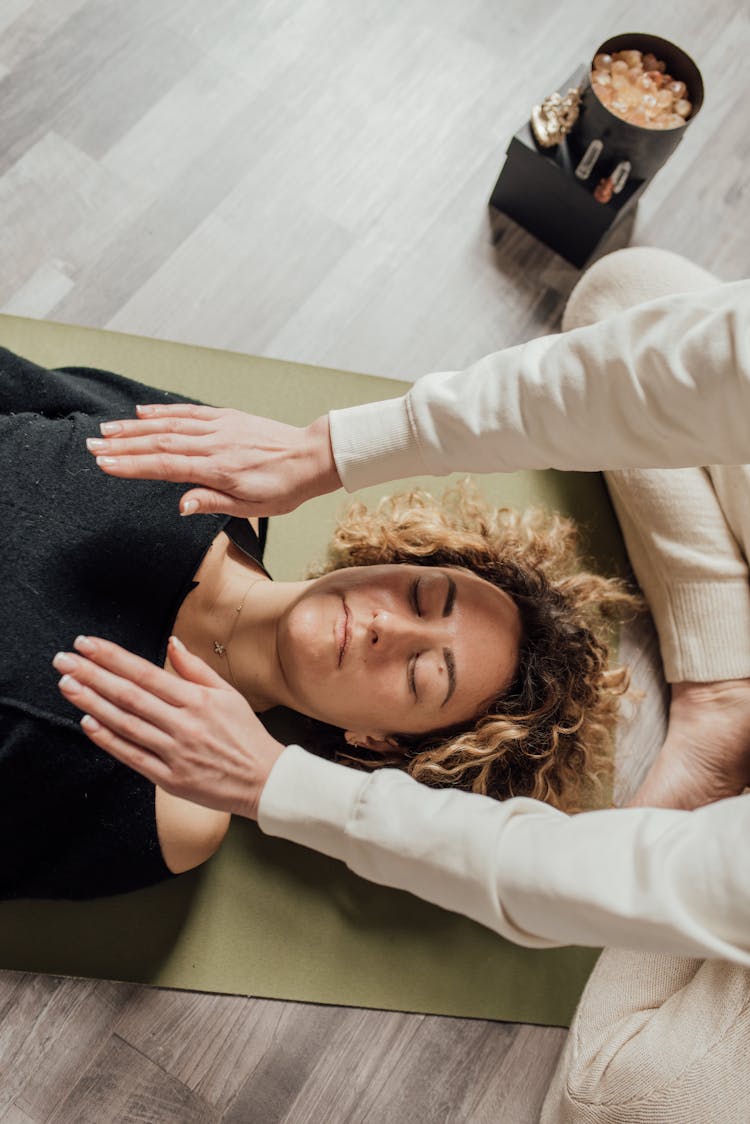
469	629
657	1038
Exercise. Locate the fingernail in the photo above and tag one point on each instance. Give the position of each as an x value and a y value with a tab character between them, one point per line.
90	723
110	427
63	661
189	507
68	683
177	643
106	462
95	444
83	644
145	410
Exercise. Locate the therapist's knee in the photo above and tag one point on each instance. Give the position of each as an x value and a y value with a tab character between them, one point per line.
628	277
665	1039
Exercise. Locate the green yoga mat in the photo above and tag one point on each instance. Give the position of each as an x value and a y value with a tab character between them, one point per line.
264	917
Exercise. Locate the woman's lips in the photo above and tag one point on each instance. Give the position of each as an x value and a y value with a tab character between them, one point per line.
343	632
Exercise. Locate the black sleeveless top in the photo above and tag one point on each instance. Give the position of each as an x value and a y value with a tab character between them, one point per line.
80	552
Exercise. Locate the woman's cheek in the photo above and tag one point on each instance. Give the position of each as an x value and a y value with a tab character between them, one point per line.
382	692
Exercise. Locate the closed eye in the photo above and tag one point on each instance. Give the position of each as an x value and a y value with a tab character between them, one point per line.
411	675
414	596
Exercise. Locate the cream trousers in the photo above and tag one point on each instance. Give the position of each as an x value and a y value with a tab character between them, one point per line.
664	1039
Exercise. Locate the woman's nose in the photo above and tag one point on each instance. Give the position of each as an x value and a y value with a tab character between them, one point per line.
388	632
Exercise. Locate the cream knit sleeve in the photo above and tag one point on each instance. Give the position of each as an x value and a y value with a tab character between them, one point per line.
663	384
690	564
645	878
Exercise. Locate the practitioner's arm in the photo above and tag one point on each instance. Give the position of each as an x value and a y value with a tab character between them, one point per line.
644	878
664	384
647	878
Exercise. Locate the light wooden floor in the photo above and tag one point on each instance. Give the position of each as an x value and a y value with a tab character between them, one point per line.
308	179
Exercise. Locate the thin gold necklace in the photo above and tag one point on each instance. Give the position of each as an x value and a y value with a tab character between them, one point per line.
223	649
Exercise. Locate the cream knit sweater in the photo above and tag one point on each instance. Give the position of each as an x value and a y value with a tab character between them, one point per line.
660	1039
664	384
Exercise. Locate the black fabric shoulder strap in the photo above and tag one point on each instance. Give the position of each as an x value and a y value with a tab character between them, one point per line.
245	539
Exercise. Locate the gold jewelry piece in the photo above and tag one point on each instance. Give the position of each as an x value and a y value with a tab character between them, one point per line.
555	117
223	649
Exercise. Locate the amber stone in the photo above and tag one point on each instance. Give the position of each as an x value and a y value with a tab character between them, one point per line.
638	89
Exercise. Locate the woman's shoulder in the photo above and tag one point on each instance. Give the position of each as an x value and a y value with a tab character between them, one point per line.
189	834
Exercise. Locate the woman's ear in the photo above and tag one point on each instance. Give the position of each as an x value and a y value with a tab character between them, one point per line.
376	743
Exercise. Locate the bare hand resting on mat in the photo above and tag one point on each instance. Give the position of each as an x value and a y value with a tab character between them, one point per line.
244	465
191	734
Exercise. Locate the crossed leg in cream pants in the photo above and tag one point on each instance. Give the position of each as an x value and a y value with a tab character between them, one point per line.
662	1039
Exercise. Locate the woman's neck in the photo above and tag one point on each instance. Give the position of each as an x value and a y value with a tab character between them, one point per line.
252	653
232	624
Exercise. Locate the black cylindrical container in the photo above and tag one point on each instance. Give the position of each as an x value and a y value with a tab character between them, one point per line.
646	149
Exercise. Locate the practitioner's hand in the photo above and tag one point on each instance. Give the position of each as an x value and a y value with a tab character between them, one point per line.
243	465
190	733
706	753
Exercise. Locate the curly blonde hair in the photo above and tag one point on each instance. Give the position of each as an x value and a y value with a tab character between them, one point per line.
548	736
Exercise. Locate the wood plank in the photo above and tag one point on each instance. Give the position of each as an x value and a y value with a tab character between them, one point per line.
305	1033
119	1084
58	202
48	1033
515	1089
14	1115
26	24
51	75
148	60
353	1075
209	1042
22	1015
438	1072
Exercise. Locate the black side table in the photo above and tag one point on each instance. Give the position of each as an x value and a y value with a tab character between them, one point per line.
538	188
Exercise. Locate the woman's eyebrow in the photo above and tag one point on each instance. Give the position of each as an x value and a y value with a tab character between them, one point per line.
450	597
450	663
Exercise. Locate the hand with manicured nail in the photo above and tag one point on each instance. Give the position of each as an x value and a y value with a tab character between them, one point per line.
241	464
190	733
